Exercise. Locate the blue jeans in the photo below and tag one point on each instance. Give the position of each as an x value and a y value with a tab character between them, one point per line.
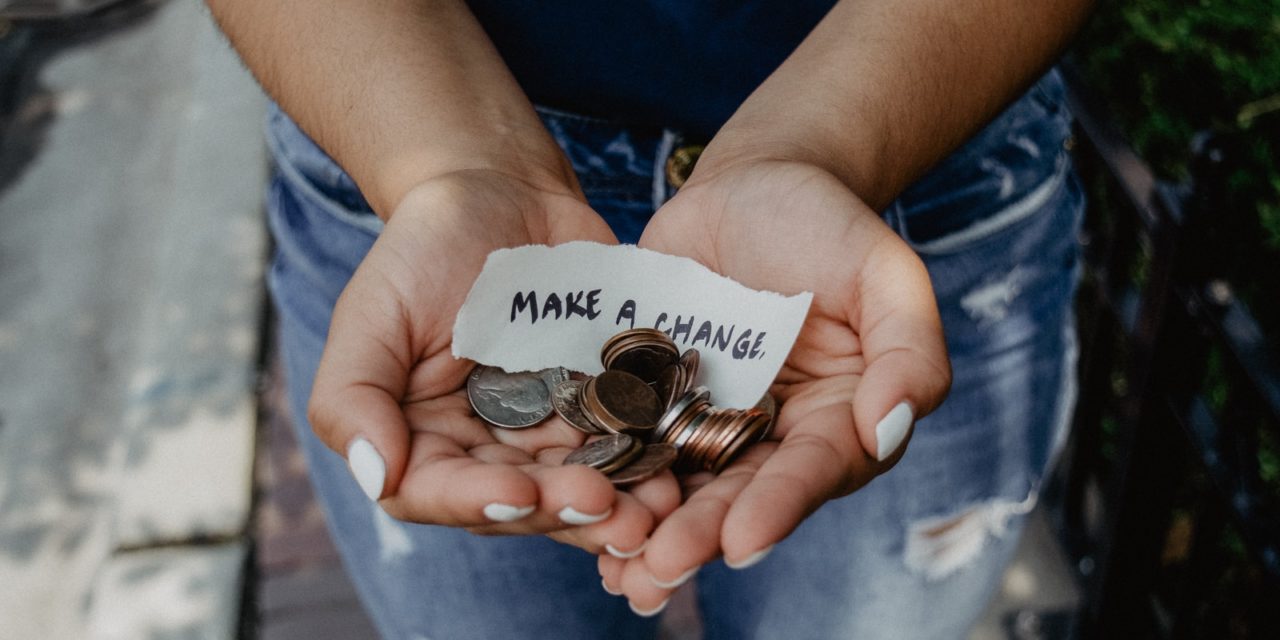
917	553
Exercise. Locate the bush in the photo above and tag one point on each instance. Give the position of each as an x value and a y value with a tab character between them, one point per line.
1168	69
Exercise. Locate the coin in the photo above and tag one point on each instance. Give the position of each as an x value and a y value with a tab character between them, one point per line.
666	424
564	398
670	385
590	406
690	362
645	400
644	362
509	400
655	459
752	432
607	454
620	401
679	438
769	405
632	337
554	376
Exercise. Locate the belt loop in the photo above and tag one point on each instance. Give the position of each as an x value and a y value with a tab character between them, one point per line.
661	189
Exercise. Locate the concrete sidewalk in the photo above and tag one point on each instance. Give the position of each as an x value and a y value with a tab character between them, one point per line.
130	275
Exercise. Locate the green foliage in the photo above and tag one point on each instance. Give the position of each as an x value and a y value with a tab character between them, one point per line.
1168	69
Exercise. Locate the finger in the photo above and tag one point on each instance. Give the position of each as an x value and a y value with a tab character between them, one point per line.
661	494
690	536
461	490
611	573
355	399
552	432
819	459
907	371
643	594
622	535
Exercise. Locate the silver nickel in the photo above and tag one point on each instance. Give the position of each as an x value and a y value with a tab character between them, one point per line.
509	400
607	453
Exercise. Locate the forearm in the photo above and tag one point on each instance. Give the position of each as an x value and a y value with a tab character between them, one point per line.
881	90
398	91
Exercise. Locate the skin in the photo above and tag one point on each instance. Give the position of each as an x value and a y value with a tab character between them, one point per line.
413	101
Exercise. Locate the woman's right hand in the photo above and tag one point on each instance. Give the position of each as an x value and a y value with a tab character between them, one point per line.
390	396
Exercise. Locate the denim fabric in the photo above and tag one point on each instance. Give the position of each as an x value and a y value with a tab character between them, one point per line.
915	554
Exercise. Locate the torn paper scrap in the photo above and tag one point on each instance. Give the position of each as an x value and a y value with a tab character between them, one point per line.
535	307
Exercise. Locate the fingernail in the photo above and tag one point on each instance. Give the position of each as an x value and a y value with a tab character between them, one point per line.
367	466
569	515
613	551
650	613
892	429
684	577
608	590
499	512
750	560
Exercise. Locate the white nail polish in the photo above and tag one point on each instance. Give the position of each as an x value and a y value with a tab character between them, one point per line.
684	577
650	613
613	551
892	429
750	560
499	512
607	589
569	515
367	466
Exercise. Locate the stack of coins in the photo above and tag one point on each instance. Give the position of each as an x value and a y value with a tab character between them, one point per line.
709	438
644	405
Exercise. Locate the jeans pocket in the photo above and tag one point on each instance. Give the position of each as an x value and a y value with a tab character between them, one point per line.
315	177
1010	160
964	219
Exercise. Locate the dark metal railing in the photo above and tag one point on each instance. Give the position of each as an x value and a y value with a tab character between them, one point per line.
1167	493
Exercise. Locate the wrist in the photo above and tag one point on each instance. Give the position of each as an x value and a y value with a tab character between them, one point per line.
757	138
446	171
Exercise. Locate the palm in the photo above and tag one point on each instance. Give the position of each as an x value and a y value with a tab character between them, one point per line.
789	227
389	364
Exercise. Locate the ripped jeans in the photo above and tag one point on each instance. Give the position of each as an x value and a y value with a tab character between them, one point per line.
917	553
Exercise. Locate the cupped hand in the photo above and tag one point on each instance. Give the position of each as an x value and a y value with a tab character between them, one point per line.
869	360
390	396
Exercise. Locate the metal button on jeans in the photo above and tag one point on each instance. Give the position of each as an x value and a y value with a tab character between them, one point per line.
680	164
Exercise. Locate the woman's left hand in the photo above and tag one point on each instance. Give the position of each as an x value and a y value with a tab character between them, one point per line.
869	360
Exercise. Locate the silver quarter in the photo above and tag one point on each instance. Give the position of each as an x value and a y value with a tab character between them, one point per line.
509	400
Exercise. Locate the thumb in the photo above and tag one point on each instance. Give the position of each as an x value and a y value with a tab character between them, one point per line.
908	373
355	400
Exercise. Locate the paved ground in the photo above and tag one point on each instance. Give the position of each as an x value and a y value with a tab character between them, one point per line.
131	177
130	281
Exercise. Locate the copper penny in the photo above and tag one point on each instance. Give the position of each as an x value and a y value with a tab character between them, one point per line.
644	362
690	361
676	411
655	459
564	398
670	385
626	402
